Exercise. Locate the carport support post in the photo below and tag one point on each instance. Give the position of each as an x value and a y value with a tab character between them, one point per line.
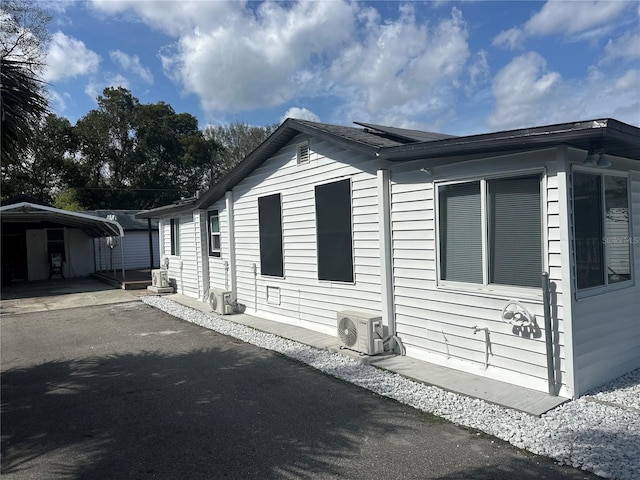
122	254
150	244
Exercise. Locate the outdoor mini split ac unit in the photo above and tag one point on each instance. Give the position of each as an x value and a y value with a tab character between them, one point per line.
360	332
160	278
220	301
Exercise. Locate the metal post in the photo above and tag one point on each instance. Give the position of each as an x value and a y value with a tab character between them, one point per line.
150	244
548	333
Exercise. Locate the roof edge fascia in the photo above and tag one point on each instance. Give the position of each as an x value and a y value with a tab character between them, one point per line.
84	216
520	138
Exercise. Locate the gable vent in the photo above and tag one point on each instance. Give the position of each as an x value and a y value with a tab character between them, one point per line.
303	153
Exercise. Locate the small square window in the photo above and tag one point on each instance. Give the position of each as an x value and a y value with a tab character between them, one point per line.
214	233
175	236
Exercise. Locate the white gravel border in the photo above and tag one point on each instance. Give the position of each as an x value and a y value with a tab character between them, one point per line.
599	432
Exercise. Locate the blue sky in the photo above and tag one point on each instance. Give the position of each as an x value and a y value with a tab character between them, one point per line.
452	67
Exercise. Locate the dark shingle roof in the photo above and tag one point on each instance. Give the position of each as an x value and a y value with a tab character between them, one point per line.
404	134
397	144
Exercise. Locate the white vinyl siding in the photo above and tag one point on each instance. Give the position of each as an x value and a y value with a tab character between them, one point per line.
136	251
184	269
437	324
303	298
606	331
219	274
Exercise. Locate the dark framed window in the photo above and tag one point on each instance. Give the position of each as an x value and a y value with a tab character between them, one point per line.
270	226
601	229
508	251
213	227
334	231
175	236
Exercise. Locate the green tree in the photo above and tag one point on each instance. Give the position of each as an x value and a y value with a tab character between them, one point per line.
105	147
134	155
68	200
231	143
23	32
43	170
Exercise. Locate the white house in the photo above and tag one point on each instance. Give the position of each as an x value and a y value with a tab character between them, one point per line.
445	238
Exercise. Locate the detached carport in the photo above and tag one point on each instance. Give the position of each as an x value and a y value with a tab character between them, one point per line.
33	234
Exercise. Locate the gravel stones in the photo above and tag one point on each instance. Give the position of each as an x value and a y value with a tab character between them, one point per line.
599	432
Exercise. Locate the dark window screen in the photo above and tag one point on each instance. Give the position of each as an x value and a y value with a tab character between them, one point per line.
270	221
335	240
587	217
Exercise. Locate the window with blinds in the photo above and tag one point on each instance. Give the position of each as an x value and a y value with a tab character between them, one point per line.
515	226
508	251
460	233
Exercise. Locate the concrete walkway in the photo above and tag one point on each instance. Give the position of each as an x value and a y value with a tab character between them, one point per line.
57	294
504	394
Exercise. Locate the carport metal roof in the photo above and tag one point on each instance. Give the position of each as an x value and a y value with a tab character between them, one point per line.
93	226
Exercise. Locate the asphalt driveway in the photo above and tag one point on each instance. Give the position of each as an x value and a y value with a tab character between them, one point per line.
123	390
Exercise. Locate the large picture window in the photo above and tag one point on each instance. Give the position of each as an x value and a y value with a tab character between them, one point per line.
175	236
491	232
334	235
270	226
213	227
601	229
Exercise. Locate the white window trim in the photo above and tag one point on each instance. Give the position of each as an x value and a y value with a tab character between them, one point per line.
174	233
214	252
606	288
353	241
494	289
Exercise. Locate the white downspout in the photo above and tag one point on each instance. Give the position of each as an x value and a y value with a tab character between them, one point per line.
204	282
386	263
232	244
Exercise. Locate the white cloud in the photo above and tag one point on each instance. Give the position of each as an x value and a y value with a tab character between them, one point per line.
626	47
630	81
58	101
96	87
68	57
566	18
237	56
259	60
301	114
131	63
522	90
583	20
175	18
478	70
402	67
512	39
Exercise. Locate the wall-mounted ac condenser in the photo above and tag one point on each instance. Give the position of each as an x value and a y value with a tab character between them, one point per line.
361	332
160	278
220	301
